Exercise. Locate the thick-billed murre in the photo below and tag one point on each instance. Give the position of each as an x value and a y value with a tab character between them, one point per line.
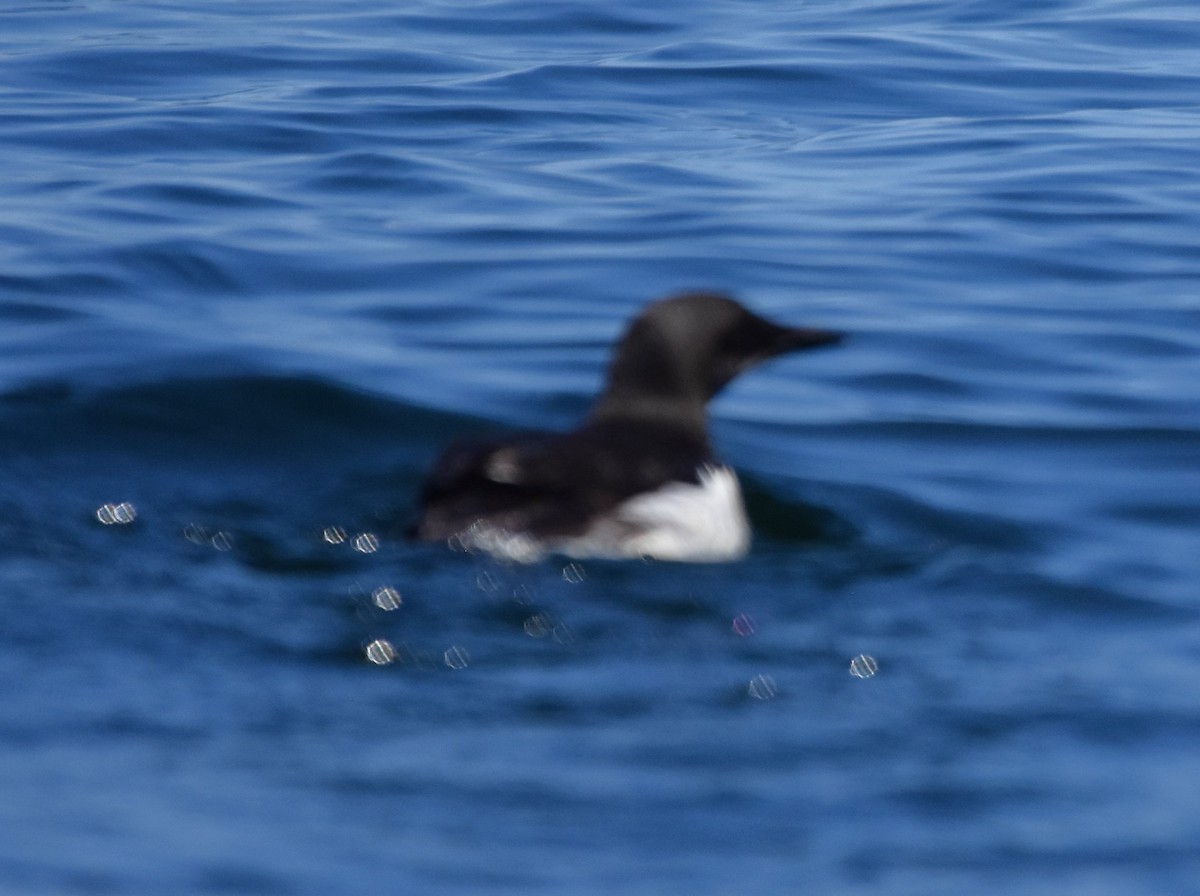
637	478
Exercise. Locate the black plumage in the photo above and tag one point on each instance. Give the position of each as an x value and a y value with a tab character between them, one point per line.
647	429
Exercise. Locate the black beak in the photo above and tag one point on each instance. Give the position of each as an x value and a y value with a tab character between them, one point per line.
793	339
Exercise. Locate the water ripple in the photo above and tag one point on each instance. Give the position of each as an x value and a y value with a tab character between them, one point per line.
260	262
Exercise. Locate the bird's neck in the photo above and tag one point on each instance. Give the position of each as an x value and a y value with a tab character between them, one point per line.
677	410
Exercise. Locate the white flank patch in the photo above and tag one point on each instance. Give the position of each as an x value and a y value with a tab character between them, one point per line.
703	522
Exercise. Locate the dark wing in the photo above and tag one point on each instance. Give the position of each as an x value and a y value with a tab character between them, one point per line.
552	485
460	490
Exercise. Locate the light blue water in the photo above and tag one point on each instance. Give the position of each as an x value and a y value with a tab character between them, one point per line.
259	262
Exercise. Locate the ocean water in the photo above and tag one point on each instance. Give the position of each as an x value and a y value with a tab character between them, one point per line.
260	261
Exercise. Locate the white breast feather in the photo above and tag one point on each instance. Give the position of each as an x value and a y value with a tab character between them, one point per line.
684	521
702	522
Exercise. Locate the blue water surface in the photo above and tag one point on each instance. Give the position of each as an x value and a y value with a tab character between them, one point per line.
260	261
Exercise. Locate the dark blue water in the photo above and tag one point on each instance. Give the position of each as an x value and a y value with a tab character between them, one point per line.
260	261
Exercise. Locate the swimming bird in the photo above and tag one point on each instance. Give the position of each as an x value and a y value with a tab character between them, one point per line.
637	478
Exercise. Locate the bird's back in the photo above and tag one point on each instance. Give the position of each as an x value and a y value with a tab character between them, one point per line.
554	486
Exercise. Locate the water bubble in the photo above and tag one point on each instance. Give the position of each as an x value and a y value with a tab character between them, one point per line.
380	652
863	666
456	657
386	598
116	514
539	625
366	543
743	625
573	573
762	687
218	541
487	581
334	535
